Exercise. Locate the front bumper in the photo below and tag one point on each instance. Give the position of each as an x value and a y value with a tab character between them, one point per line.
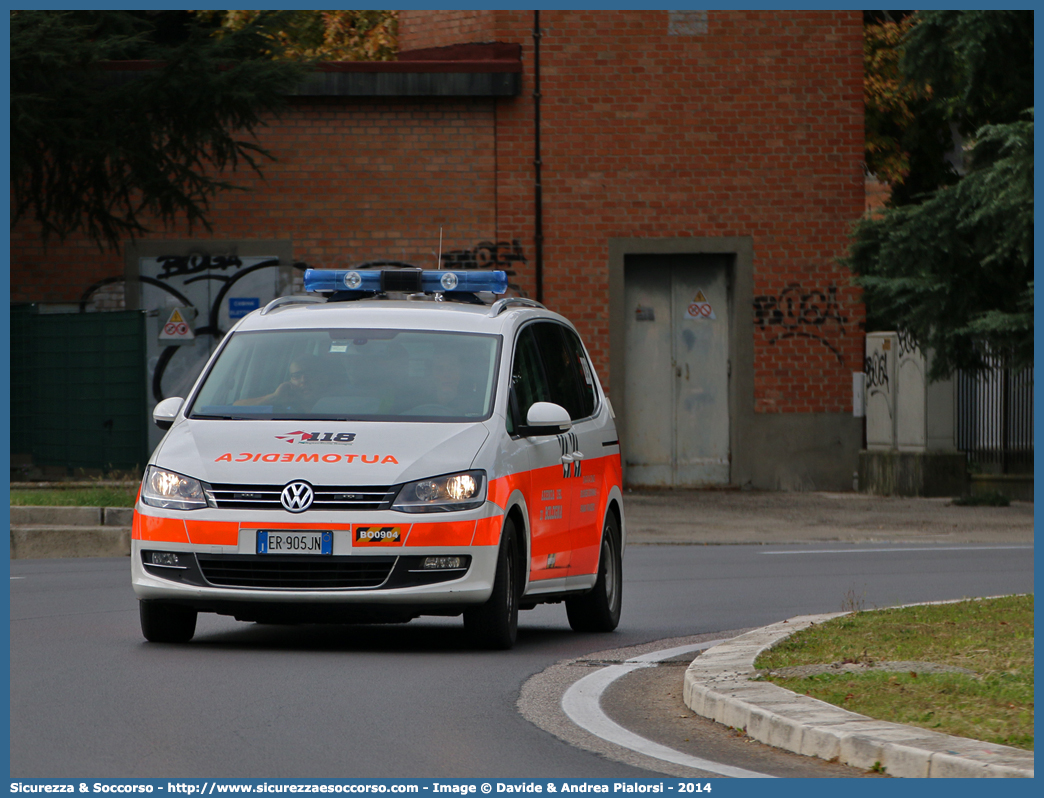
218	569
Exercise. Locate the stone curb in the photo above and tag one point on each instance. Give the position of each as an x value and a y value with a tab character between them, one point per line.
80	540
71	516
719	686
45	532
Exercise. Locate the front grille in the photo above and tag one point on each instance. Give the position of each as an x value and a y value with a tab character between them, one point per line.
301	572
327	497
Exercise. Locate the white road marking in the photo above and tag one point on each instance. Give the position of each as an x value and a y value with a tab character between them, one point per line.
582	704
925	548
18	577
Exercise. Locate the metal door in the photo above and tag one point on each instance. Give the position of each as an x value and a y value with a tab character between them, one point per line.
677	371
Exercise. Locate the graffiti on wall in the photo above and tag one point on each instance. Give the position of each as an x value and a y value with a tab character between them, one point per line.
171	266
879	368
875	366
501	255
107	294
204	281
172	274
797	312
209	286
908	344
181	265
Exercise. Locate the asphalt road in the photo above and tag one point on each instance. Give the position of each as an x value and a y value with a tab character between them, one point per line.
89	698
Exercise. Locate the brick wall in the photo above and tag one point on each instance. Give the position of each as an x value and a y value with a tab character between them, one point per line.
737	124
352	182
746	124
429	28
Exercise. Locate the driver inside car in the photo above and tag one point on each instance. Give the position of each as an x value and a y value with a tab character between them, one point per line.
300	392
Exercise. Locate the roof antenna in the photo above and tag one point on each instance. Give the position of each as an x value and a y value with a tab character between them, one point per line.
438	265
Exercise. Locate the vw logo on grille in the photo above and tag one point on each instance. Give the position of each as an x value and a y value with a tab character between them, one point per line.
297	497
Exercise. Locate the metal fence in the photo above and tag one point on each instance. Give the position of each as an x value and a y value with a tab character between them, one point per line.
995	418
78	389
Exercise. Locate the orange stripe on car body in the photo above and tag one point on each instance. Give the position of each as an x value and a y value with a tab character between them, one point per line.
487	531
501	488
214	533
585	560
613	472
447	533
587	552
148	527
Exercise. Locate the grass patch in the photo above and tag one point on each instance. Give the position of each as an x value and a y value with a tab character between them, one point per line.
993	638
74	497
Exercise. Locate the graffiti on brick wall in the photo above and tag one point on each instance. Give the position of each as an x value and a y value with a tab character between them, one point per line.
502	255
171	266
797	312
172	274
107	294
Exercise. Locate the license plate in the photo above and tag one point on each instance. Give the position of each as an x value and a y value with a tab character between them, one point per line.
287	542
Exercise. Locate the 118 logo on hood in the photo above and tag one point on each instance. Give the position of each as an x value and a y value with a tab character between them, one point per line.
343	438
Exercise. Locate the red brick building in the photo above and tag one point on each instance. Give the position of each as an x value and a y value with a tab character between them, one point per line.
681	153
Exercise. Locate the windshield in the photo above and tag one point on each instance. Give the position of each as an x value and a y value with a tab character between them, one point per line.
377	375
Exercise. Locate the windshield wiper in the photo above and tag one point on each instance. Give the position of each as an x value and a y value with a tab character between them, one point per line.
307	417
225	418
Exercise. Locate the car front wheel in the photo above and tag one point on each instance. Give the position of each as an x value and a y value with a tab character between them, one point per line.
494	624
162	622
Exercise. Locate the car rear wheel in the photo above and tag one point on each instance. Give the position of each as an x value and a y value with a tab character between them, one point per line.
162	622
494	625
599	610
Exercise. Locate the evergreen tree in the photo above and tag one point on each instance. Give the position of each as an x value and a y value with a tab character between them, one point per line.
907	138
953	265
103	152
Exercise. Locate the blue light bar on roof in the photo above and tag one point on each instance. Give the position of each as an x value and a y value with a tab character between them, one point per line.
405	280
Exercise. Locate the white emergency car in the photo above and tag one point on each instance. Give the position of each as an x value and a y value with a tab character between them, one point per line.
405	444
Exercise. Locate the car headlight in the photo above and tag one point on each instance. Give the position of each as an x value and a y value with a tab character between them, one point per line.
162	488
463	491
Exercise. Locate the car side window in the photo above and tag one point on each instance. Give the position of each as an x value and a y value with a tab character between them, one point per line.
565	375
588	394
528	382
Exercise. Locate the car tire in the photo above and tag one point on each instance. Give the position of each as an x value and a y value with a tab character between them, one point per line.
494	625
162	622
599	610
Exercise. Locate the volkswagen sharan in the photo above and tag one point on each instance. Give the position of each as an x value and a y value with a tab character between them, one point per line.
396	443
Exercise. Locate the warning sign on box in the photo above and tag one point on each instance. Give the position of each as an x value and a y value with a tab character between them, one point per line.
176	330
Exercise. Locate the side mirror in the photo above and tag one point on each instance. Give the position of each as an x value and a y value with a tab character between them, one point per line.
546	418
166	411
